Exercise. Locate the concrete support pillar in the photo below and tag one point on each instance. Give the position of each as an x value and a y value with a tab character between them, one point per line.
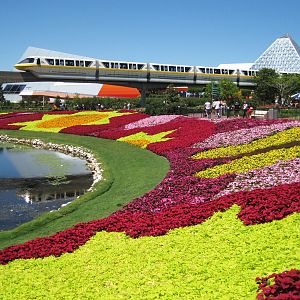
143	97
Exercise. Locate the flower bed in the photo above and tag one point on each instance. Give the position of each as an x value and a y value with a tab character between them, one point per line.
251	163
286	285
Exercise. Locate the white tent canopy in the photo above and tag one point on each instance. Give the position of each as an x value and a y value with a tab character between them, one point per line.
296	96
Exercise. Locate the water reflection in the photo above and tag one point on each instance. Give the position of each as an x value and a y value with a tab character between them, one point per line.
23	196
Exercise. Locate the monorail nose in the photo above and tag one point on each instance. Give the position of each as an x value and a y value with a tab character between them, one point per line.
20	67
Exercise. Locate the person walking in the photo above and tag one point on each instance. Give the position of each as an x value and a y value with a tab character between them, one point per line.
236	108
207	108
245	108
218	108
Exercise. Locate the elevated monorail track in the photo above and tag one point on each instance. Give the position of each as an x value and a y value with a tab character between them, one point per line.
144	76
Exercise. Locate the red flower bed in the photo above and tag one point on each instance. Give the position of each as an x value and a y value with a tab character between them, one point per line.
286	286
187	132
179	200
18	117
256	207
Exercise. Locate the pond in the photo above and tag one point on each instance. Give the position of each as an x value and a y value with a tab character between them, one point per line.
34	181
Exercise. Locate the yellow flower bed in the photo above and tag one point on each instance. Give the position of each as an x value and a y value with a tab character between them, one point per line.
248	163
57	122
142	139
280	138
218	259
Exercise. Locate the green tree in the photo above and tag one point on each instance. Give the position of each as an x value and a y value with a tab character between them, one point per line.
228	91
168	102
266	90
287	84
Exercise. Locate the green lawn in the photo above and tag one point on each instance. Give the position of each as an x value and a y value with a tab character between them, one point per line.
129	172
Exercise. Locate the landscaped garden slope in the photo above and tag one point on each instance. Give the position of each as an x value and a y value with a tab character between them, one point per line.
128	172
218	248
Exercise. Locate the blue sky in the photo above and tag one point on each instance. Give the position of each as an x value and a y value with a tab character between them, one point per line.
165	31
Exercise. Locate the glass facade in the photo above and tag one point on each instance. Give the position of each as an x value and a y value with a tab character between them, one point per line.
13	88
283	56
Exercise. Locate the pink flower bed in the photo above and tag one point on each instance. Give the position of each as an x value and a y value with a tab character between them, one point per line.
244	136
151	121
283	172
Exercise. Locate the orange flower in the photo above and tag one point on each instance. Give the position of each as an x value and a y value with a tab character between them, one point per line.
140	143
71	121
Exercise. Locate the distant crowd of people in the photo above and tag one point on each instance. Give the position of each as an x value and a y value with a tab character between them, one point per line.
220	108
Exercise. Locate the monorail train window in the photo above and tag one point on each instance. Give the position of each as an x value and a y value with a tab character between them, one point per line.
61	62
245	72
81	63
231	71
180	69
132	66
202	70
27	61
187	69
69	63
156	67
217	71
123	66
57	62
225	72
115	65
88	63
164	68
172	68
50	61
105	64
209	71
140	66
77	63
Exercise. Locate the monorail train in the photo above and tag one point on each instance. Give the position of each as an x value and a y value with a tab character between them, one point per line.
92	69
